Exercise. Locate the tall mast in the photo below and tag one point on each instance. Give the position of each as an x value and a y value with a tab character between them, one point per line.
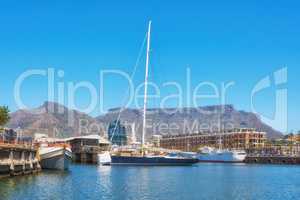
146	85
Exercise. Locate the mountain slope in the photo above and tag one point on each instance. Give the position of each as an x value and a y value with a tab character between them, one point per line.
52	119
59	121
189	120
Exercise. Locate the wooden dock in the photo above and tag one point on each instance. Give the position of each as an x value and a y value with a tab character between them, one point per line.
18	159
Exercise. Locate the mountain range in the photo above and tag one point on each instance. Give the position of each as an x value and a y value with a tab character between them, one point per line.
59	121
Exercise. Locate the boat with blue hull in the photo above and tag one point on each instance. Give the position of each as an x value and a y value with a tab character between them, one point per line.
152	161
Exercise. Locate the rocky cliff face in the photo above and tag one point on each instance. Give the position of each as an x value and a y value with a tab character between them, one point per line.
52	119
57	120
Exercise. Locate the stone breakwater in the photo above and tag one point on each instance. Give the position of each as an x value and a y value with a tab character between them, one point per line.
282	160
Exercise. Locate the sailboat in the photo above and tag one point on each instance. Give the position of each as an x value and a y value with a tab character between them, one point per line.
143	157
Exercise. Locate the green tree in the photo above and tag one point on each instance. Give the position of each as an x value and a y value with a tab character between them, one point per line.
4	115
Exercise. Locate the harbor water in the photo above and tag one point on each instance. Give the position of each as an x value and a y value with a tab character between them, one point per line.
202	181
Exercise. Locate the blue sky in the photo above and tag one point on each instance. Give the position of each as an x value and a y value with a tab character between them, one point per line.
220	41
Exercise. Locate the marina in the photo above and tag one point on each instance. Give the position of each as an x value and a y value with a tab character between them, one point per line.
21	159
149	100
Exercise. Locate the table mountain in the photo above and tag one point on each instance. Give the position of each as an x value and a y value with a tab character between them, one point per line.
59	121
189	120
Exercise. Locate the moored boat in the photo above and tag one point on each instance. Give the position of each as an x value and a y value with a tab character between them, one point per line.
53	153
55	157
104	158
208	154
142	157
152	160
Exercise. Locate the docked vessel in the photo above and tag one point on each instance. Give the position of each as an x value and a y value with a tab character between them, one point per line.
55	157
53	153
208	154
143	156
104	158
152	160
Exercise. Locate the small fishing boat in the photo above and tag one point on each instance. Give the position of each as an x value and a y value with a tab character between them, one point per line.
55	157
53	153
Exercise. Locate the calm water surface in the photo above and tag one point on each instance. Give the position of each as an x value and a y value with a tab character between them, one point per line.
203	181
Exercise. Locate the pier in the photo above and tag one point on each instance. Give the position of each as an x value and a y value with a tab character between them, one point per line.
282	160
18	159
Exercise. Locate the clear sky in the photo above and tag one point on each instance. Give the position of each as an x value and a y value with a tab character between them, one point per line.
220	41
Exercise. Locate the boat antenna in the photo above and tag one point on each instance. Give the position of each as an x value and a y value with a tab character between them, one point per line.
146	87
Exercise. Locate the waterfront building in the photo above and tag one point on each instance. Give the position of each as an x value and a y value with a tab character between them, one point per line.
117	133
156	140
8	135
85	149
242	139
12	136
293	138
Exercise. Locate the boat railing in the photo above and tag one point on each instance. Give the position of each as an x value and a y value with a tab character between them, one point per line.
64	145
